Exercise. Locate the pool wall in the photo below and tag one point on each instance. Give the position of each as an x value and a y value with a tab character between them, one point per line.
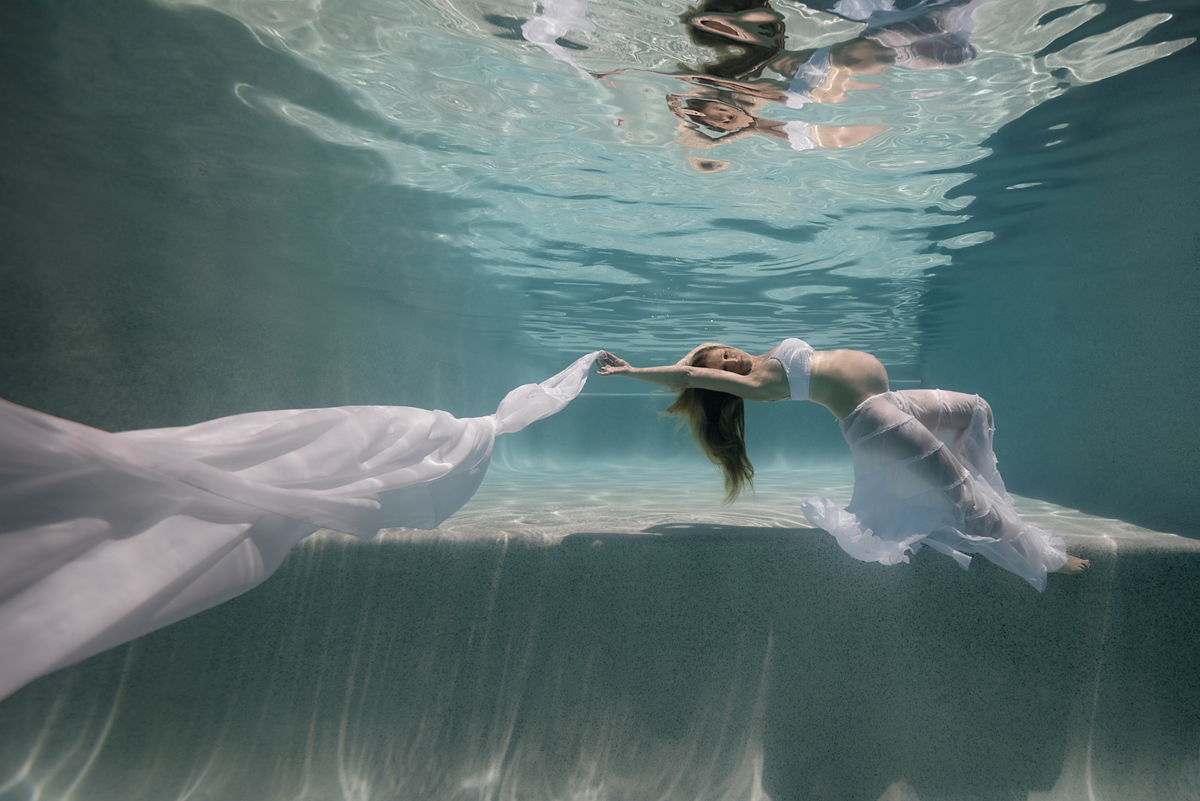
714	662
1079	321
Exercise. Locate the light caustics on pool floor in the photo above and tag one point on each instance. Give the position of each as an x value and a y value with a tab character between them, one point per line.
623	636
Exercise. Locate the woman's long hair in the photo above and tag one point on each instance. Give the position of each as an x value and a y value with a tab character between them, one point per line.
737	61
718	424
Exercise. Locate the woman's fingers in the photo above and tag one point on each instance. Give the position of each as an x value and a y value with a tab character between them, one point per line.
607	364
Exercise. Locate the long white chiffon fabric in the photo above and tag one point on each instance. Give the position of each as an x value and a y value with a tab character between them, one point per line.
925	474
105	537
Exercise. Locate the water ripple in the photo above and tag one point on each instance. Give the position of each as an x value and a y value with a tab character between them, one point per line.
572	187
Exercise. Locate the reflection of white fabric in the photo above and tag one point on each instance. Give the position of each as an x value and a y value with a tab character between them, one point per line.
927	36
106	537
558	18
795	354
862	9
809	76
925	474
799	135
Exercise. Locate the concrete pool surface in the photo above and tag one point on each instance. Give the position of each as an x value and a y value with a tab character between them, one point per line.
624	636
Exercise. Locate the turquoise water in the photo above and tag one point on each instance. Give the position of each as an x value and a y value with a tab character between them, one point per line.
571	193
212	208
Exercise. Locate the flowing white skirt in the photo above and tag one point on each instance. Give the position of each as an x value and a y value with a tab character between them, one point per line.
105	537
925	474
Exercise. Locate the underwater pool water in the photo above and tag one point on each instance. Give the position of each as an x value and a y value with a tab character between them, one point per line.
573	193
216	207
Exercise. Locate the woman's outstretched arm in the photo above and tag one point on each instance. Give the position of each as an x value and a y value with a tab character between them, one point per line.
767	382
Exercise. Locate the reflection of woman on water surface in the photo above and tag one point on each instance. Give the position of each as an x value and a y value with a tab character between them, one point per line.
732	119
924	470
725	96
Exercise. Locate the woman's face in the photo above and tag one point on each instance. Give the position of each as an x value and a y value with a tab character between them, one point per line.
731	360
717	116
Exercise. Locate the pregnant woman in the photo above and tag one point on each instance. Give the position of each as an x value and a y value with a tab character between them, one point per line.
924	470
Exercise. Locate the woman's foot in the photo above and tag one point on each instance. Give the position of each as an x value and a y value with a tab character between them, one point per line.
1074	565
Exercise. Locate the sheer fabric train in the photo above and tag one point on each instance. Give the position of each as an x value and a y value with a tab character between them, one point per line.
105	537
925	474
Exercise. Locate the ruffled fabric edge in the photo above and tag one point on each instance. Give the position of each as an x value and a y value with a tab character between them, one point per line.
855	539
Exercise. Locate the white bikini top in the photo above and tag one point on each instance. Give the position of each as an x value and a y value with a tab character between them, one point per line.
796	357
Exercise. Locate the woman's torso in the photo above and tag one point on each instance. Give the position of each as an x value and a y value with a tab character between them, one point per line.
842	379
839	380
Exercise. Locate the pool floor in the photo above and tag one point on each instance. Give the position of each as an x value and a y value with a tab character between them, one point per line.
622	635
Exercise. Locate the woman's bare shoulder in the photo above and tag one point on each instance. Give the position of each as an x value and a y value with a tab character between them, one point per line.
768	369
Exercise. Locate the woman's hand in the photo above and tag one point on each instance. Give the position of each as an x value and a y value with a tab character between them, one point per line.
609	364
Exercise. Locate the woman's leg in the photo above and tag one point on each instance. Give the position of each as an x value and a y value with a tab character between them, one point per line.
941	410
899	452
896	441
965	423
968	421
